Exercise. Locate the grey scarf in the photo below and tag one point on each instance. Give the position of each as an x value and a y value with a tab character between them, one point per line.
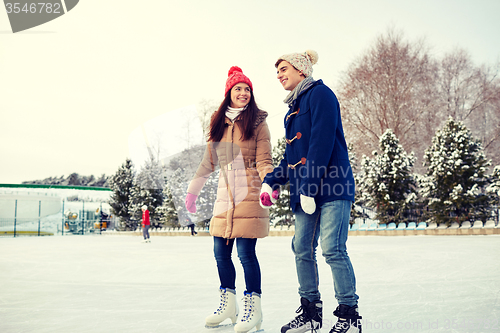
302	86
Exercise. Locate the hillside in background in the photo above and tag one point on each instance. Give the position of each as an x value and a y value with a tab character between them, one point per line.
73	179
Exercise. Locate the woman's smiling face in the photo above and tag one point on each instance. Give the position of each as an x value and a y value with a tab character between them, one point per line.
240	95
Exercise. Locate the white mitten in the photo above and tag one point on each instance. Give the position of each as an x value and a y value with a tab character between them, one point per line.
308	204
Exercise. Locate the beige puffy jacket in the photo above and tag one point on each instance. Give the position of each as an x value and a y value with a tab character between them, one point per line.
244	164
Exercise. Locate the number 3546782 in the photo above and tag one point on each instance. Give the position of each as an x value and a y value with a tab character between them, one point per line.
33	8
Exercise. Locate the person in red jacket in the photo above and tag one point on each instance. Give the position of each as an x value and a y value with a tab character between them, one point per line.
145	223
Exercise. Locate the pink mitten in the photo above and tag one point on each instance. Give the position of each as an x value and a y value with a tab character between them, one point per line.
191	202
265	199
276	194
268	198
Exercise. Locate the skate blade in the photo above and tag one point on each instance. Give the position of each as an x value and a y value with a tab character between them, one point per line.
220	326
256	331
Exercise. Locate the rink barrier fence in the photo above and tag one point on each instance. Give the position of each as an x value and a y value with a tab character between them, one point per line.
278	232
290	231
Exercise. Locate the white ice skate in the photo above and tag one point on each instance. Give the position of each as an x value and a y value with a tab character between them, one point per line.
228	308
252	314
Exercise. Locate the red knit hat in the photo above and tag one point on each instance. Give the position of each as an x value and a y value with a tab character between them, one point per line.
234	76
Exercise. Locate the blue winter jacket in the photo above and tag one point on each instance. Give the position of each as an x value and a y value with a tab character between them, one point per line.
316	162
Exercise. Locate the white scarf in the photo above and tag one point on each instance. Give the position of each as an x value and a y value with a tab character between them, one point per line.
232	113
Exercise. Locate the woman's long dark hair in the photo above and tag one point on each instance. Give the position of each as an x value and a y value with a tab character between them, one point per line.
246	119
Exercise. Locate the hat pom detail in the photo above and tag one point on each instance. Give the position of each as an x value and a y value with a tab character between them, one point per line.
233	70
313	56
234	76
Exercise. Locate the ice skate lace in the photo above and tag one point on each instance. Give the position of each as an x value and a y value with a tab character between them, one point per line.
247	307
341	326
302	319
344	323
222	305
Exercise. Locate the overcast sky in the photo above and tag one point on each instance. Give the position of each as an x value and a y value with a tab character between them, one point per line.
73	90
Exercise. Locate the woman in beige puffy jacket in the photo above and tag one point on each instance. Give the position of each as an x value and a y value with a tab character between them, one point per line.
238	143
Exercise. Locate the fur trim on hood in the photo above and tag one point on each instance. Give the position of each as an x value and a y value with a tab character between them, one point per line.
261	116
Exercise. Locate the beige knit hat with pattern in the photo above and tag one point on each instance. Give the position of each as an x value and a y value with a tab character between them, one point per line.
302	62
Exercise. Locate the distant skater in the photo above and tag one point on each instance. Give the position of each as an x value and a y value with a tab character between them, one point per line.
190	224
145	223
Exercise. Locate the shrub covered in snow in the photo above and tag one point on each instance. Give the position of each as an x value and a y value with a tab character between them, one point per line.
281	213
493	190
386	181
121	183
147	190
454	185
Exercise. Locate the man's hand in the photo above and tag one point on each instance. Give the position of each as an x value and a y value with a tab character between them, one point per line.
307	203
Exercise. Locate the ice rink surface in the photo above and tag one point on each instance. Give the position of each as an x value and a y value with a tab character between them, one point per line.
119	284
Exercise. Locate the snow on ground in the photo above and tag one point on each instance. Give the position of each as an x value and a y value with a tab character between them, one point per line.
100	283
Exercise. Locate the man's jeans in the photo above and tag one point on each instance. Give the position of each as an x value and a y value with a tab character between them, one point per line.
331	223
246	252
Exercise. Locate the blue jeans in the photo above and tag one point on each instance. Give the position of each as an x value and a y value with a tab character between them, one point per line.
330	222
145	231
246	252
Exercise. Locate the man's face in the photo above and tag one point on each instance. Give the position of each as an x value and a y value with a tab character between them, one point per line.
288	76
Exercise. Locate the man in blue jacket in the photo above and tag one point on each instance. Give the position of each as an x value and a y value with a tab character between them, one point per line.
316	164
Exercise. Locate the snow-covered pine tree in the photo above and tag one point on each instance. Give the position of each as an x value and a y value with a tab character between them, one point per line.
177	183
181	170
281	212
206	200
168	213
454	184
356	211
86	180
74	179
387	180
102	181
493	190
148	190
121	183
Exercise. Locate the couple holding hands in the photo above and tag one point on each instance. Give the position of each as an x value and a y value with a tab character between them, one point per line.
239	143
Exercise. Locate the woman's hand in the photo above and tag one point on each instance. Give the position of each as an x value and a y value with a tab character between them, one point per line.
190	202
267	196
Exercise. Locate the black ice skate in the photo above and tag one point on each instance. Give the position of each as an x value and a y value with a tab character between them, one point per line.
349	320
310	320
